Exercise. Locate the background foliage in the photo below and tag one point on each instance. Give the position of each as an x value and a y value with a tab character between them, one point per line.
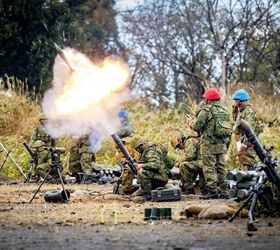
19	115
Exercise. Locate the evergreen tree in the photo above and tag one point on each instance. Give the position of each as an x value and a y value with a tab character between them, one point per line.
28	30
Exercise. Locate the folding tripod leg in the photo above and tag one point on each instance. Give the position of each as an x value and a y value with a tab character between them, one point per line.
61	180
40	186
245	202
29	174
251	216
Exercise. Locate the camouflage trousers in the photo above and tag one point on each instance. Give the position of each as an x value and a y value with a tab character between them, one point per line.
247	158
84	165
214	171
43	169
268	203
188	173
150	180
127	179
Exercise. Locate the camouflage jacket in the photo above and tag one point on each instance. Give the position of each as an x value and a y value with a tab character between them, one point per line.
168	161
39	133
125	130
192	148
245	112
152	158
44	156
204	125
82	146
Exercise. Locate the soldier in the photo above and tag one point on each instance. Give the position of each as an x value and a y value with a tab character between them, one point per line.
192	166
212	123
39	133
151	169
81	158
44	161
126	128
127	179
242	109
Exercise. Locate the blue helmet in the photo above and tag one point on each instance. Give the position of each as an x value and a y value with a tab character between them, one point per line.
241	95
123	113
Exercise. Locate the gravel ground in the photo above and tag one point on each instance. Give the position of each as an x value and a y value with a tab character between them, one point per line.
79	224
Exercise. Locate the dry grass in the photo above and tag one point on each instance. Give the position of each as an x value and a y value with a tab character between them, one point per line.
19	115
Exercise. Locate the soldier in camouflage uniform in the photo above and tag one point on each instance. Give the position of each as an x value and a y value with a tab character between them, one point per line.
81	158
151	169
44	161
126	128
128	175
212	123
126	131
39	133
192	166
243	110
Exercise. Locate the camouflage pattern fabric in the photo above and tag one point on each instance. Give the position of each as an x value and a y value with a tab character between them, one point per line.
213	148
125	130
192	166
169	161
128	175
154	172
44	162
81	158
269	201
39	133
247	158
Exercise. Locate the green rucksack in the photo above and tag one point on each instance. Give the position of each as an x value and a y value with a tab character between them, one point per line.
222	125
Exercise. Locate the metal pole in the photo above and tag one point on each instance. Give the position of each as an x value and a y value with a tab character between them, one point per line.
18	167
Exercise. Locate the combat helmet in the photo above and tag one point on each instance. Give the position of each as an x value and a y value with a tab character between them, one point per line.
123	113
43	117
137	141
241	95
38	144
212	94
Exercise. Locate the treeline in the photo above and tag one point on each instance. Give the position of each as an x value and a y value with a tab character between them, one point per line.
175	48
179	47
28	30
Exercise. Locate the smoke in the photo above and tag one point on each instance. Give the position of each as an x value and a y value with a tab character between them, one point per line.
85	100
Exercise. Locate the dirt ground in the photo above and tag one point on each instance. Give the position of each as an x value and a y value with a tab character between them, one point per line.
96	219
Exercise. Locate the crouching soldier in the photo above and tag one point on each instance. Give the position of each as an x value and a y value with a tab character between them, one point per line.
127	187
81	158
151	169
44	162
191	167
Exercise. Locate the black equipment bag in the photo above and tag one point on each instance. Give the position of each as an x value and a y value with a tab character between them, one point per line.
171	194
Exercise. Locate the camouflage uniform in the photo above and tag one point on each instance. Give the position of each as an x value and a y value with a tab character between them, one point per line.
128	175
247	157
126	129
192	166
44	162
81	157
213	148
39	133
154	172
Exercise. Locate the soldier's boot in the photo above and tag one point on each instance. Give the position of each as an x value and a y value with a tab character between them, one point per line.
224	195
188	191
210	195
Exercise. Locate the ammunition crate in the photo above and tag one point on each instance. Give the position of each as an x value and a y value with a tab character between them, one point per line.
173	194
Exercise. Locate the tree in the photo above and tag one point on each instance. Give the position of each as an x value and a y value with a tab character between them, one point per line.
194	44
28	30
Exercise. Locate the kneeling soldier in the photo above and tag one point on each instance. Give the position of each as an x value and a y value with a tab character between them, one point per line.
44	159
192	165
81	158
152	171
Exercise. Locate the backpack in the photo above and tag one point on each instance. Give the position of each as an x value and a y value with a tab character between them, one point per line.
222	125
